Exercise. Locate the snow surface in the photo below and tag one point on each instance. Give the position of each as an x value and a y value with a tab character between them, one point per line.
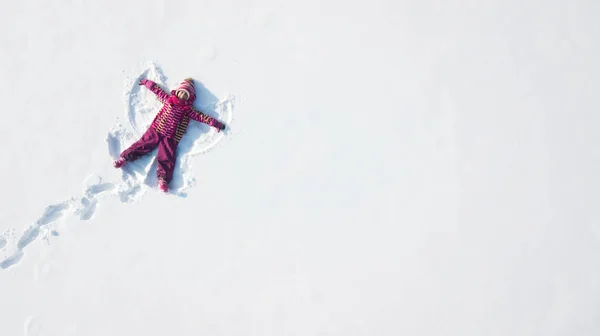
410	167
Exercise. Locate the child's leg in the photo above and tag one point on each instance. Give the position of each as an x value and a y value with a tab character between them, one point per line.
167	153
143	146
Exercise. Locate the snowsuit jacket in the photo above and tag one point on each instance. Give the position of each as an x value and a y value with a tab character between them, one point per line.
173	118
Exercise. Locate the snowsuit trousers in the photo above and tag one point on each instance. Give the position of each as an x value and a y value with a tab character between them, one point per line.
167	152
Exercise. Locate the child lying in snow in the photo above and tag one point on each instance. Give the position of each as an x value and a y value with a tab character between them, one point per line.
166	130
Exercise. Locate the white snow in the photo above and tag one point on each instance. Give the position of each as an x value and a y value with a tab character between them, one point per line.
410	167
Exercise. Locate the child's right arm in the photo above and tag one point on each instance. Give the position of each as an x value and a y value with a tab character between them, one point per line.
160	93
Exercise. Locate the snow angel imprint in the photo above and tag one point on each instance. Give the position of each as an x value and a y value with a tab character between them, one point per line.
167	129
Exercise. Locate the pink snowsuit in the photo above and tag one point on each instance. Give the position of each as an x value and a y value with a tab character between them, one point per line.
168	127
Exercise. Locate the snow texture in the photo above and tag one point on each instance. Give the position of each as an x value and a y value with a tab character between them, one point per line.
138	177
409	167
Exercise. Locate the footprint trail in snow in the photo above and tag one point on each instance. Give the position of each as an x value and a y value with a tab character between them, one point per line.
137	177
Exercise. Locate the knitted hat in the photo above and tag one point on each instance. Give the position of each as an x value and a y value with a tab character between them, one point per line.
188	85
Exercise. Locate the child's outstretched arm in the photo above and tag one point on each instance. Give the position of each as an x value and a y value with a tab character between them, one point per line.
203	118
160	93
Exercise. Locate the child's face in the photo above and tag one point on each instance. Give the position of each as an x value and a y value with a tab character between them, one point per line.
182	94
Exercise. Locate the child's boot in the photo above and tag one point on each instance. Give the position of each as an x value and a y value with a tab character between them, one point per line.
163	185
119	163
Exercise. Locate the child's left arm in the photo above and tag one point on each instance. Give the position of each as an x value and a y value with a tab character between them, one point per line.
203	118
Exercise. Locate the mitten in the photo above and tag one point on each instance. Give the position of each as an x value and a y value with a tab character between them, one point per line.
219	125
147	83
